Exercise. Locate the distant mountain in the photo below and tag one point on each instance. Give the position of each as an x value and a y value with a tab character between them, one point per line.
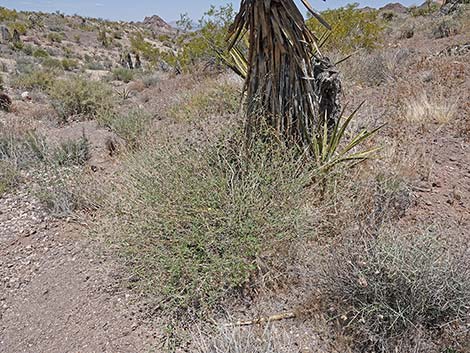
157	24
395	7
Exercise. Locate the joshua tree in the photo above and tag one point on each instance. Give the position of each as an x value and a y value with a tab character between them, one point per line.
289	85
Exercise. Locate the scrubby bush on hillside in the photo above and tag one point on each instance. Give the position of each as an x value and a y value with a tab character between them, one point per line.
19	26
199	46
55	37
385	290
425	9
352	28
69	64
131	127
123	74
217	100
198	224
36	79
8	176
80	98
194	46
52	64
40	53
445	28
7	15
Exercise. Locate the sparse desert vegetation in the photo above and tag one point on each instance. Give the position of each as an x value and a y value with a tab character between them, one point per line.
160	192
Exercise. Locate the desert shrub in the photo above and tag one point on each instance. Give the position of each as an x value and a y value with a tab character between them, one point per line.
25	65
80	98
37	79
69	64
40	53
19	26
406	32
7	15
445	28
95	66
72	153
22	151
376	67
102	37
151	80
352	28
198	46
2	82
146	49
52	64
5	102
267	339
131	127
55	37
8	176
123	74
59	190
28	49
422	108
218	100
194	222
426	9
383	291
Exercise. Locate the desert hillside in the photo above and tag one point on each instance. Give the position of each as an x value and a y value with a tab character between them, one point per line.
162	193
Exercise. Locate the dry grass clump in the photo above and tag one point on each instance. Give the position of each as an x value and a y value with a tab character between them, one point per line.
243	340
423	109
131	126
376	68
217	99
385	291
8	177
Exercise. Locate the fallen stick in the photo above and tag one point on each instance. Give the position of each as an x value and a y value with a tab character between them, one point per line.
262	320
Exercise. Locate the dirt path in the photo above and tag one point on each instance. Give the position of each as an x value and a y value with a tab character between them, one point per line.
56	293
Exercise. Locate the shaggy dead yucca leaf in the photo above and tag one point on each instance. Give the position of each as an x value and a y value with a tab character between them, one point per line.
281	69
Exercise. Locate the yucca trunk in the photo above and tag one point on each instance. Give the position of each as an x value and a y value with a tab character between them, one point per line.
280	84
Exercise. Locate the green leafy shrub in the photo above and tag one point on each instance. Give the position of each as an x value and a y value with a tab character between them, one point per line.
7	15
37	79
19	26
199	46
146	49
352	28
194	222
123	74
28	49
385	290
55	37
52	64
70	64
40	53
78	97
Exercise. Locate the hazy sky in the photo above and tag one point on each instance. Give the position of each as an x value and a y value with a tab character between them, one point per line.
138	9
